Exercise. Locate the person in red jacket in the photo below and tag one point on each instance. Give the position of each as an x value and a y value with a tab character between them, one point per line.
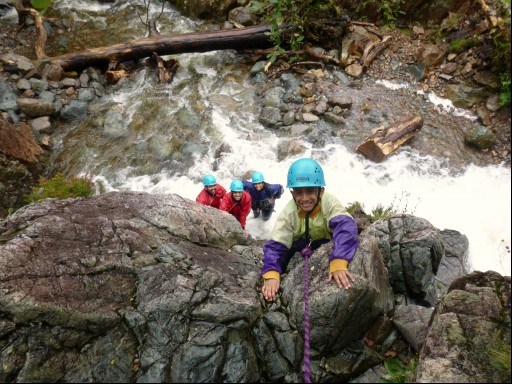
238	202
212	192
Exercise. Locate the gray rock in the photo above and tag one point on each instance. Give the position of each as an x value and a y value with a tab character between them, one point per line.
41	125
289	118
334	119
69	82
309	117
493	103
85	94
430	55
98	89
47	95
38	85
35	107
242	16
23	64
7	97
342	101
258	67
480	137
84	80
412	250
463	96
23	84
75	110
273	97
290	82
341	77
270	116
412	322
163	288
469	331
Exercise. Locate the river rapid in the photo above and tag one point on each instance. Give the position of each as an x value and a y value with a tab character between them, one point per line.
206	121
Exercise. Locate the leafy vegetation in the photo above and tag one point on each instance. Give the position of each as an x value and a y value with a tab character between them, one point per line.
499	358
390	11
398	372
505	90
294	14
41	5
60	187
459	45
356	209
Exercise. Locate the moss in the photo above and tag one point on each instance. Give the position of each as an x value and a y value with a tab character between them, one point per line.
455	335
459	45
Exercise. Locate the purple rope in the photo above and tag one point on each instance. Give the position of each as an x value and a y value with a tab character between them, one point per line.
306	252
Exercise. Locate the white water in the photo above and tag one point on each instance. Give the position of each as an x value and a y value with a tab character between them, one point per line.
476	202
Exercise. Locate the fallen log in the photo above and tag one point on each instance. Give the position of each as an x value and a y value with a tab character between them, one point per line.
387	140
244	38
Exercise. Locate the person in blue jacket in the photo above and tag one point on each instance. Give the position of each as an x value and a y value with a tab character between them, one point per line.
263	195
312	218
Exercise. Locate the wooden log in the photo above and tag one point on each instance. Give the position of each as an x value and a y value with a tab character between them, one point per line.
387	140
244	38
38	22
114	76
165	69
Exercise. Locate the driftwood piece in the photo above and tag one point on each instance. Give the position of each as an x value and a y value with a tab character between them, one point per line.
165	69
114	76
374	49
38	22
250	37
387	140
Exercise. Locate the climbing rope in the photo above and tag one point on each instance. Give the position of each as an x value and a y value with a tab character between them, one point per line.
306	252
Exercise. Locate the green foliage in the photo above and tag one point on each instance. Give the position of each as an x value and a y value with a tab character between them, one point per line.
382	212
390	11
294	14
500	35
459	45
61	188
398	372
41	5
356	209
505	90
447	24
499	357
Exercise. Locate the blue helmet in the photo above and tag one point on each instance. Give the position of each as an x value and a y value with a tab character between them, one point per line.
236	186
257	177
305	173
209	180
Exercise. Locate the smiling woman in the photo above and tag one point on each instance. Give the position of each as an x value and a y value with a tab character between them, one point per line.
311	219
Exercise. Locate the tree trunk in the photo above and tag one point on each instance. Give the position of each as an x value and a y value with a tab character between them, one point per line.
387	140
244	38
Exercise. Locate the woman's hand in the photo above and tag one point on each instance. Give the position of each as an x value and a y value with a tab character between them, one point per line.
270	288
342	278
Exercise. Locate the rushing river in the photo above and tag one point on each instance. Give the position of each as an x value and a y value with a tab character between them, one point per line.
211	102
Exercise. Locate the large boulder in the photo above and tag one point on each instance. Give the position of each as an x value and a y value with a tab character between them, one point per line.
422	261
135	287
469	334
125	287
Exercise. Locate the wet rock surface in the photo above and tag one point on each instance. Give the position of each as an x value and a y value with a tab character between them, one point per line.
390	91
